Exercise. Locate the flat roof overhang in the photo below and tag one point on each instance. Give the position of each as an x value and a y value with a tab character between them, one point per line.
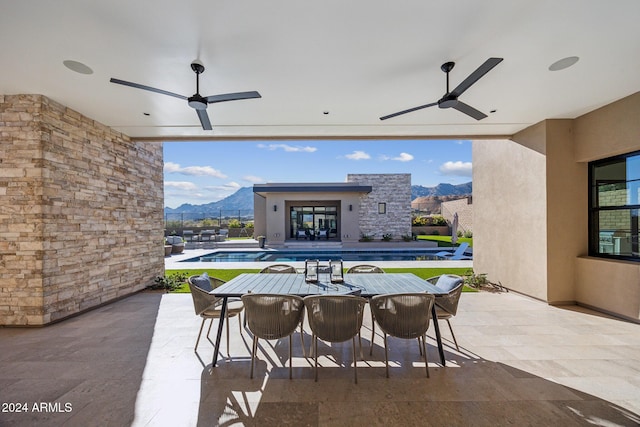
316	187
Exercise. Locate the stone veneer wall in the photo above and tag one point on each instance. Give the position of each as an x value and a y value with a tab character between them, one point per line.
395	191
81	218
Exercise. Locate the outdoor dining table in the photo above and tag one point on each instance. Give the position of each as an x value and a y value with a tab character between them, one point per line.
369	284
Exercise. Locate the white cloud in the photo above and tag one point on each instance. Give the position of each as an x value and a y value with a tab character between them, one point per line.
254	179
403	157
289	148
358	155
181	185
229	186
170	167
456	168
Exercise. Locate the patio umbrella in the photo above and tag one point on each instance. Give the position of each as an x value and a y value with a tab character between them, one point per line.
454	229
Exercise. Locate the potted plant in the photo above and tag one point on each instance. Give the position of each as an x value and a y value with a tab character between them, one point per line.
167	247
261	240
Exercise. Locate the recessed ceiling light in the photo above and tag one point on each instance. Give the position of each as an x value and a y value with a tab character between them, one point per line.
563	63
78	67
325	112
146	114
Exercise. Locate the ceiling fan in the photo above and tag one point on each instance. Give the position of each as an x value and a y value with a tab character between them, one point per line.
196	101
450	99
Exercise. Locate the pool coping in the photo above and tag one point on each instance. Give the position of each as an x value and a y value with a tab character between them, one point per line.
174	262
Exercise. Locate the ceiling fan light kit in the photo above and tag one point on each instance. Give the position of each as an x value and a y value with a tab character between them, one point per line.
196	101
450	98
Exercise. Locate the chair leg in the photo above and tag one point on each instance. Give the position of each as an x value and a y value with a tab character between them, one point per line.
373	333
226	320
290	359
240	323
304	350
209	330
200	333
453	335
315	353
424	350
355	361
254	348
386	355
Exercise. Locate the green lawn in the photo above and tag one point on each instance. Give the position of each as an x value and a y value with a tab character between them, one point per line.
445	241
228	274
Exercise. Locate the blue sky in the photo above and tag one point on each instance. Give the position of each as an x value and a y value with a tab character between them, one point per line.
204	172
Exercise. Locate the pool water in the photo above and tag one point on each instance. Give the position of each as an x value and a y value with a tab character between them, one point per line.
289	256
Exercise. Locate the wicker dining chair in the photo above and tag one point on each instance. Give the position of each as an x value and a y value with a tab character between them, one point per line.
272	317
285	268
363	269
335	318
209	306
278	268
447	305
403	316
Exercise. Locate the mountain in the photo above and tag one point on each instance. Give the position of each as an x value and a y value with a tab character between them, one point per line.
238	203
441	190
428	199
241	202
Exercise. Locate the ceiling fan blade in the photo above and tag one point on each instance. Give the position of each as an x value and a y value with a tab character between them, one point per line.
149	88
204	119
408	111
476	75
232	96
469	110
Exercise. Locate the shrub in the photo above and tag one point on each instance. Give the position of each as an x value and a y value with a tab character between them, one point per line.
468	234
169	282
235	223
435	233
387	237
407	237
438	220
366	237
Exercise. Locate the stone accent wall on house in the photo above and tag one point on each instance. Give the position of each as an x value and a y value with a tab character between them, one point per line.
395	191
81	212
464	208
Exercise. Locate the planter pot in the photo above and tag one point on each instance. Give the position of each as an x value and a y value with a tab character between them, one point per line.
167	250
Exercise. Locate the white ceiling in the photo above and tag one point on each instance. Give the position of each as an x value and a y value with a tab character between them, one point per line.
357	60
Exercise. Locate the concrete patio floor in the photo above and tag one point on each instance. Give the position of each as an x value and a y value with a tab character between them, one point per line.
132	362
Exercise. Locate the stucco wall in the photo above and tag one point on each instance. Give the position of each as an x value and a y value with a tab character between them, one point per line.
80	214
531	210
277	222
395	191
611	285
509	212
464	209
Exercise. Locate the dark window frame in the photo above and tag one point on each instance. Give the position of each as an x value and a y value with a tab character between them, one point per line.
595	233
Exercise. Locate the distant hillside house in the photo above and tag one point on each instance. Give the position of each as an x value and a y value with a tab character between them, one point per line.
365	204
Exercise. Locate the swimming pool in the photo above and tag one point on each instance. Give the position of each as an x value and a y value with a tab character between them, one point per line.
324	255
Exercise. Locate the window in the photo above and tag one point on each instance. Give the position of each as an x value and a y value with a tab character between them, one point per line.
614	201
382	208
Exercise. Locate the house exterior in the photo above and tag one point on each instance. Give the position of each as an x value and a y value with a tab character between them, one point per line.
364	205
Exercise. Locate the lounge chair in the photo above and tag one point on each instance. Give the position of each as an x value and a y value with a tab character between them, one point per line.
457	254
177	244
323	233
301	233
